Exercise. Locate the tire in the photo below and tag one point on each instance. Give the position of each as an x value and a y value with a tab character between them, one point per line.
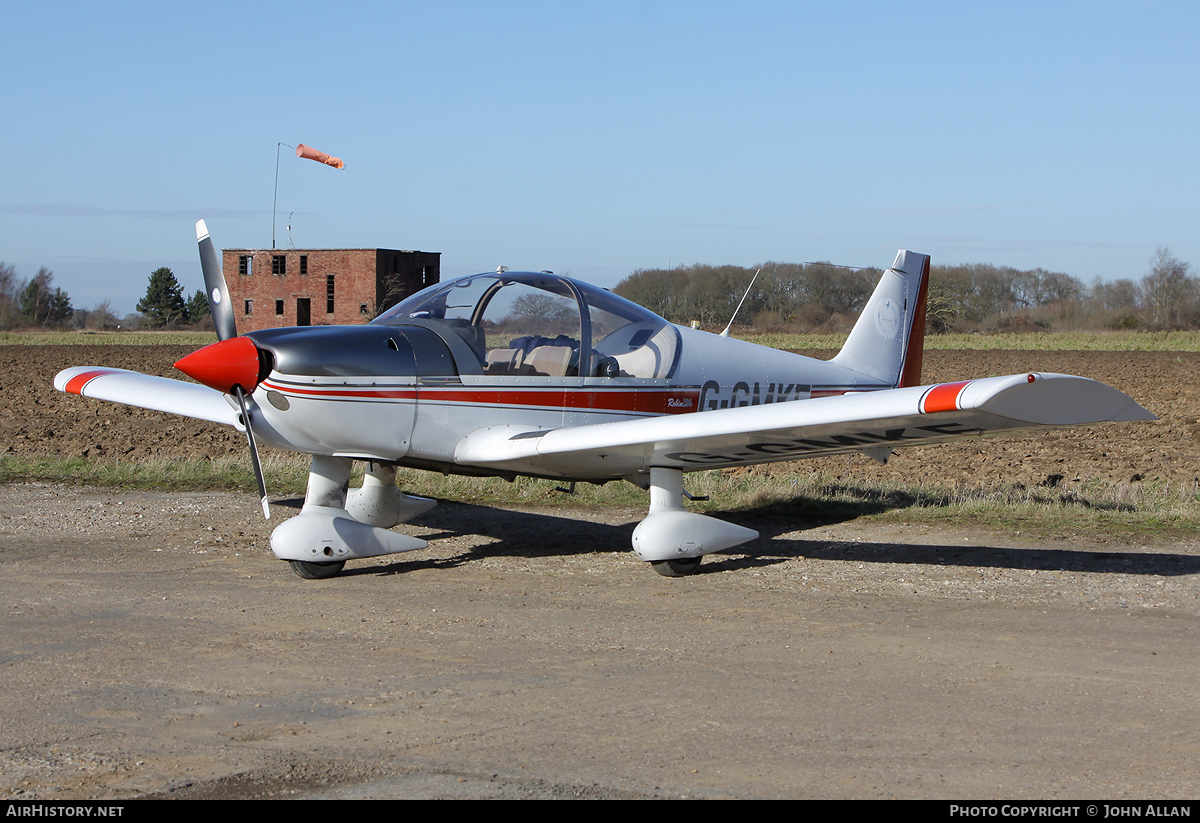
316	571
677	568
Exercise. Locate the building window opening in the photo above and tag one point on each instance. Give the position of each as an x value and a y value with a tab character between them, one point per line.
278	307
278	264
244	263
329	294
249	307
304	264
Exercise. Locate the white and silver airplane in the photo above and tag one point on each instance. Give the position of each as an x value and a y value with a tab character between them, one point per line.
520	373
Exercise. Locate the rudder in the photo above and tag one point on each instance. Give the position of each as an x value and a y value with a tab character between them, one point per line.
888	341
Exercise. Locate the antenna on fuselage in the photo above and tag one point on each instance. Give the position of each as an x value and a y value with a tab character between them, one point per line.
739	305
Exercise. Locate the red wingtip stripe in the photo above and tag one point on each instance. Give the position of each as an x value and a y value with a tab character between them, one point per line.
75	384
943	398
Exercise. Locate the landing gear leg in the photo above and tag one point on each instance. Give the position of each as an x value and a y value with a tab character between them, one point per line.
380	503
673	539
320	539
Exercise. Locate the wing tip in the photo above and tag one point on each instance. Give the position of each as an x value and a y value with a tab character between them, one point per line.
73	380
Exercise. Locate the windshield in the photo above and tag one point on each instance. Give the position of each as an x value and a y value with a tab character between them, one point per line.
543	325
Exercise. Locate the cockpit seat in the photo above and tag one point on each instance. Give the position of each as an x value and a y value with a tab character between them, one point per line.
550	360
504	361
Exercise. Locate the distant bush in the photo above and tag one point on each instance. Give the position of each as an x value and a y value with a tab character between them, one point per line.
822	297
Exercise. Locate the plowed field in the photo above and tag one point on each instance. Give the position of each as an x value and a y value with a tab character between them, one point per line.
35	419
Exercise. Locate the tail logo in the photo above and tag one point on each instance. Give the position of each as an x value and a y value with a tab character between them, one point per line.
887	319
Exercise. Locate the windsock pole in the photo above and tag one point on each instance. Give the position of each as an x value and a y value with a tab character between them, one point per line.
308	153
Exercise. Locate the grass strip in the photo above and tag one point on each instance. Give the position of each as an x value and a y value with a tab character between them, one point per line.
798	499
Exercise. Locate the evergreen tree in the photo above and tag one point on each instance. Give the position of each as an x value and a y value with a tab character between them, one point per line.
38	303
163	302
197	306
59	307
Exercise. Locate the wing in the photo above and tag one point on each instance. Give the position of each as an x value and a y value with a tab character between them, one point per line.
148	392
871	422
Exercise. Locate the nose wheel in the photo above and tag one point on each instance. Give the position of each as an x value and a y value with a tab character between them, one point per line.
319	540
316	571
677	568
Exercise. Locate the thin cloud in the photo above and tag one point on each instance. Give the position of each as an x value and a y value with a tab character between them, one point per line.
987	244
706	226
68	210
959	209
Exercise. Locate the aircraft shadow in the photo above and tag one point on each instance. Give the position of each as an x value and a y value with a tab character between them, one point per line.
532	534
513	533
1141	563
776	519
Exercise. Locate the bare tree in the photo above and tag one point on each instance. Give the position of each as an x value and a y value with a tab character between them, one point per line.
102	317
1169	292
1119	294
8	295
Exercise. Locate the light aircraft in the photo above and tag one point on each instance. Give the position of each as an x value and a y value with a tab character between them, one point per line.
510	373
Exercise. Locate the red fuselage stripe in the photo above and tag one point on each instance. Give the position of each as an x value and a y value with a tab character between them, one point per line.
633	400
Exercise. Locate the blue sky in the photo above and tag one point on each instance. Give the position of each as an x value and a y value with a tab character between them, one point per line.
599	138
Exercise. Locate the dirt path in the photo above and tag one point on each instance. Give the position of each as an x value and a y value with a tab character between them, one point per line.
153	646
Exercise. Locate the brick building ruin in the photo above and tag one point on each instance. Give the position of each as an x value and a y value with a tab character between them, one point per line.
322	287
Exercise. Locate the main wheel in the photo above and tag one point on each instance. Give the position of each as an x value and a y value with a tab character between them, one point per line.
675	568
316	571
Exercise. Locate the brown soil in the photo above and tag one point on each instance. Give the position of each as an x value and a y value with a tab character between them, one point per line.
35	419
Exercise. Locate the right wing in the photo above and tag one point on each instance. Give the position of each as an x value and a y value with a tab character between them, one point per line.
148	392
871	422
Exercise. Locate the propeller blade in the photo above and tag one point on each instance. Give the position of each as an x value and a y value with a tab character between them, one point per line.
258	473
219	304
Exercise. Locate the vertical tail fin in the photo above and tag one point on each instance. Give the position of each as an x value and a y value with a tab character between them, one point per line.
888	341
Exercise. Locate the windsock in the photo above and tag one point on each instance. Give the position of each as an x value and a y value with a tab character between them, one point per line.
321	157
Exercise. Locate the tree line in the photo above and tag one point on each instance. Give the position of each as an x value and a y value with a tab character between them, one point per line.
37	302
825	297
32	302
785	296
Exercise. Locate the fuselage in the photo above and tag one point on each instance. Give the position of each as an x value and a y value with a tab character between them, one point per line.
456	359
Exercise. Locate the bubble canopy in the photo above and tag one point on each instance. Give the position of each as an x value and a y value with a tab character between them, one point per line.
544	325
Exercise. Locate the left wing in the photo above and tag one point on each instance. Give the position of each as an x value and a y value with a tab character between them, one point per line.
148	392
871	422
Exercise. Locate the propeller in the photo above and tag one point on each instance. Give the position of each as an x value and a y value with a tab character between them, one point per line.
233	364
258	472
219	304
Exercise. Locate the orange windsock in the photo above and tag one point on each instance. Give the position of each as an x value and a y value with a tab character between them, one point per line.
321	157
